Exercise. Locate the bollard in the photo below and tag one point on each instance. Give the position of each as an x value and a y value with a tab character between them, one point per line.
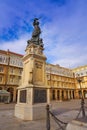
48	118
82	107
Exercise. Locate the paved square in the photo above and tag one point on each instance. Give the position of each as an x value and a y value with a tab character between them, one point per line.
65	111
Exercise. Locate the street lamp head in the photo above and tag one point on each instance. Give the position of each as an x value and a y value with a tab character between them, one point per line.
79	80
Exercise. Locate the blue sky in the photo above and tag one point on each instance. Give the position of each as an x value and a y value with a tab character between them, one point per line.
63	24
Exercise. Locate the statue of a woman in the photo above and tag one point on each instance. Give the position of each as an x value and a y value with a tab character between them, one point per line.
36	32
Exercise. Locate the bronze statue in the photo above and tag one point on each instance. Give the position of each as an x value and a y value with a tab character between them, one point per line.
36	34
37	31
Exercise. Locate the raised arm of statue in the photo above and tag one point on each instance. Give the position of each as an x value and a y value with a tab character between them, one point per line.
35	22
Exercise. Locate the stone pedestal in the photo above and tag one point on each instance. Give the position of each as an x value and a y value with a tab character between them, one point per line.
30	112
33	94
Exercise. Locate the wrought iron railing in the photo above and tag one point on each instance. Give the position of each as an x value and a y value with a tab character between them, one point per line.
82	109
60	123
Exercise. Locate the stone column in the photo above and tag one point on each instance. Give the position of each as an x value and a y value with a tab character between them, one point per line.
60	95
76	94
68	94
72	94
65	97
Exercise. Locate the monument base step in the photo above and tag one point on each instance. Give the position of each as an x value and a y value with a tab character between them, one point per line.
30	112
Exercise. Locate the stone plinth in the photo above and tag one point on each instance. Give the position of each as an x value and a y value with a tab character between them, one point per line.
33	94
30	112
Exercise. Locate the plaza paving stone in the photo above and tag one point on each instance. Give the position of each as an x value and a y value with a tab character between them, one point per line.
65	111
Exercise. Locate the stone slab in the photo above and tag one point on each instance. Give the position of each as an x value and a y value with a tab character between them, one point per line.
76	125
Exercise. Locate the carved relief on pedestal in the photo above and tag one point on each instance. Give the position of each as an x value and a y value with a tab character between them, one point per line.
38	71
34	49
30	81
39	50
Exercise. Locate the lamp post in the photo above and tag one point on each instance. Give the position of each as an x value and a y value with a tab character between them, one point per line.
82	97
51	86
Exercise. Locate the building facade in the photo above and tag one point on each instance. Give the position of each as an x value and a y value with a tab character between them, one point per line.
10	72
61	82
81	88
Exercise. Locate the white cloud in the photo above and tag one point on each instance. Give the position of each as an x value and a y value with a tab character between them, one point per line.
17	46
64	36
65	40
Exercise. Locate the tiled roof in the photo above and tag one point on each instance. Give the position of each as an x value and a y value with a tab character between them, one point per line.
9	52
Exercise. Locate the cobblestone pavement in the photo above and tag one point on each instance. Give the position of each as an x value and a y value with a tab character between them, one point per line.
65	111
